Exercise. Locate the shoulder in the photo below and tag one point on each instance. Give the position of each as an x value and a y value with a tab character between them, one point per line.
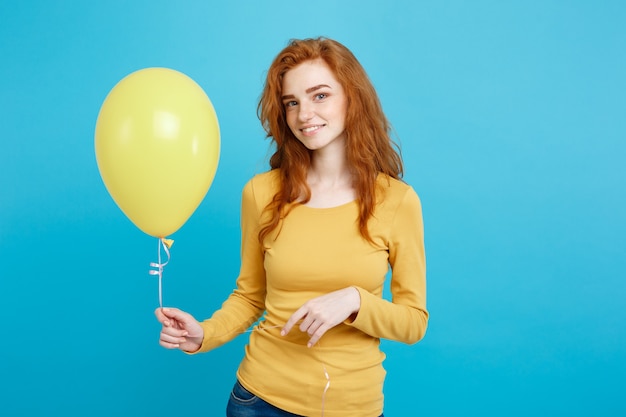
391	189
393	194
262	187
265	182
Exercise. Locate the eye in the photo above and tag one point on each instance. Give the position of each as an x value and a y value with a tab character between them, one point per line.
290	103
321	96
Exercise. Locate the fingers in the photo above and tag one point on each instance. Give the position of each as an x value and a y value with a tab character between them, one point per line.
172	337
313	324
295	317
315	327
322	313
309	325
317	335
172	341
163	315
159	315
180	330
173	317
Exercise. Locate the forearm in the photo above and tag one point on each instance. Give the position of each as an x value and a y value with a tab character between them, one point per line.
383	319
235	317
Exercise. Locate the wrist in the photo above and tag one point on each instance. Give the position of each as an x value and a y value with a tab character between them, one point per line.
356	301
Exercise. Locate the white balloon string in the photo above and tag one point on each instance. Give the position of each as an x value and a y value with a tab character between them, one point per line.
326	387
159	267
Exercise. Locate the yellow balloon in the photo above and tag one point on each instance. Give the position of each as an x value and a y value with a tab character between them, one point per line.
157	145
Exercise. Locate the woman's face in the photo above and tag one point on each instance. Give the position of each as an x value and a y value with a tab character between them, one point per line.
315	105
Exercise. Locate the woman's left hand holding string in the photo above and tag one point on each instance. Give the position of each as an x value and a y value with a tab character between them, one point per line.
322	313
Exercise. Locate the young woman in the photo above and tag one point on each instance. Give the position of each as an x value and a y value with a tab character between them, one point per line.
319	232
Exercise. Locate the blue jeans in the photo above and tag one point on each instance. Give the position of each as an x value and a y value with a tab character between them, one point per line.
243	403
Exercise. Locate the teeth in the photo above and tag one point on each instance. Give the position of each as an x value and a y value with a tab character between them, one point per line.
310	129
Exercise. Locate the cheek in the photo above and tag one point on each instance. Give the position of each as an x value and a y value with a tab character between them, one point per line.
341	121
342	110
290	117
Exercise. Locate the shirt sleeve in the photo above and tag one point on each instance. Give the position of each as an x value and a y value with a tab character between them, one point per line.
247	302
405	318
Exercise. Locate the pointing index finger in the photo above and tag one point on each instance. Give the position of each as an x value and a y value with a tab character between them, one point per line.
300	313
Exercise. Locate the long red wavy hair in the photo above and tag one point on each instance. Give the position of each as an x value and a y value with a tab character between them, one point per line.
369	147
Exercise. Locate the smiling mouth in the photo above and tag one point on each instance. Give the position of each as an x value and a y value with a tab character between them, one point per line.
311	128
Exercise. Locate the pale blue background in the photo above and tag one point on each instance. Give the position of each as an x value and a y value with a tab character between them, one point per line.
511	117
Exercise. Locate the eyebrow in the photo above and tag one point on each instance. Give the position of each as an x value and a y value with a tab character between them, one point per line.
308	91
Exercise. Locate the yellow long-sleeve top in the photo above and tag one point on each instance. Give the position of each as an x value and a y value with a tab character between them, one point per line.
320	250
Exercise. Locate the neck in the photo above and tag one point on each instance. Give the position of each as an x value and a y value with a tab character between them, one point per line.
330	181
329	168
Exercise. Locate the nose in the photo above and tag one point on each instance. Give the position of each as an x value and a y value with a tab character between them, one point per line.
305	112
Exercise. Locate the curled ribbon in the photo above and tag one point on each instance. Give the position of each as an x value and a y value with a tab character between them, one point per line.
325	388
166	244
